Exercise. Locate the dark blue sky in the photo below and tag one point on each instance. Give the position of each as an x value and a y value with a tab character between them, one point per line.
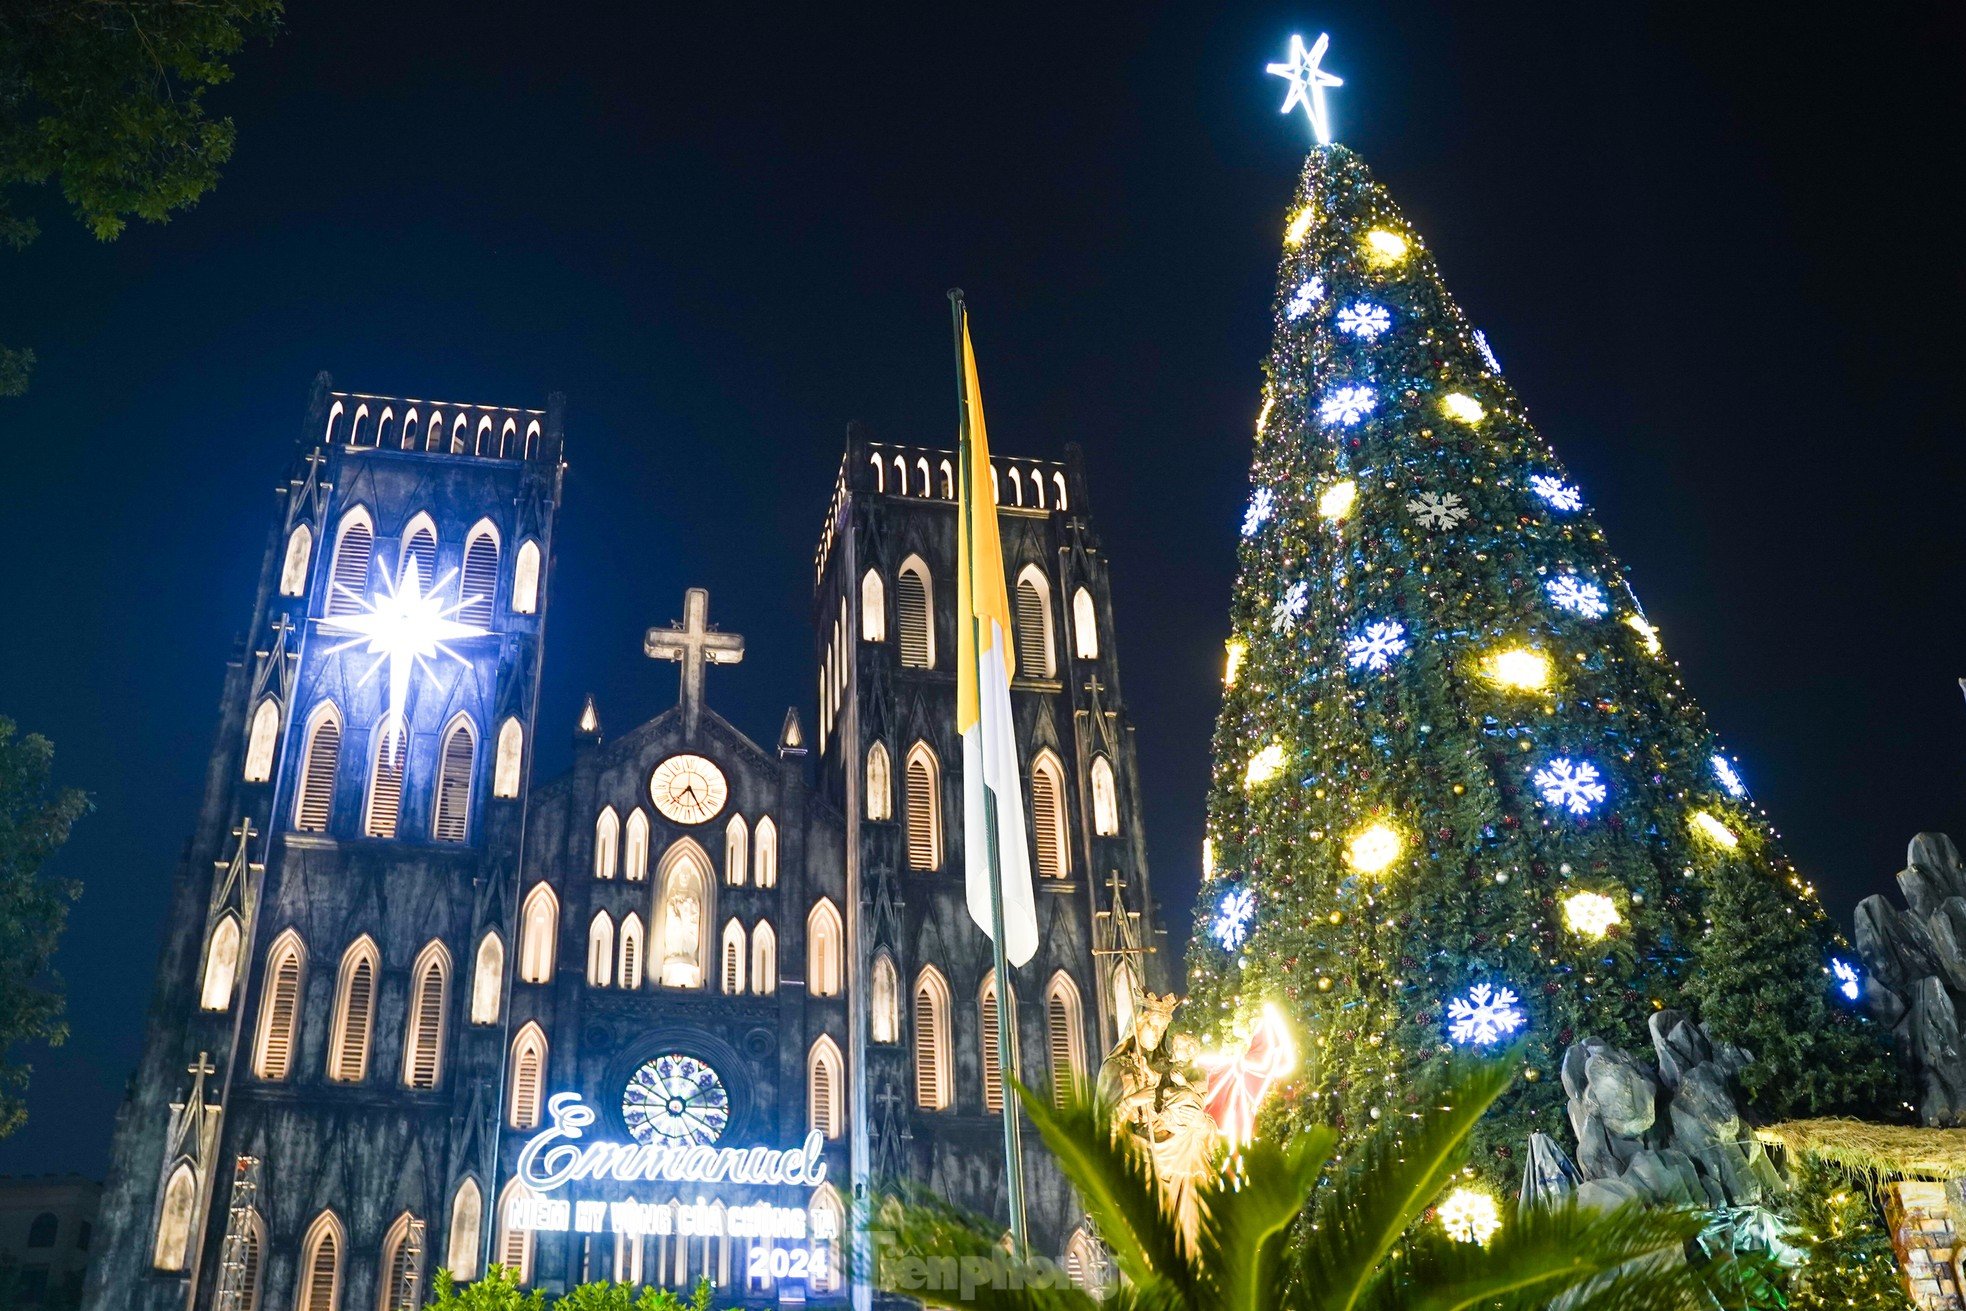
1716	247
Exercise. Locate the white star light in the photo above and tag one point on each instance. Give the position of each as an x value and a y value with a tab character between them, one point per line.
1309	292
1485	1016
1375	648
1307	83
1258	513
1346	406
405	628
1284	617
1364	320
1571	784
1577	596
1559	494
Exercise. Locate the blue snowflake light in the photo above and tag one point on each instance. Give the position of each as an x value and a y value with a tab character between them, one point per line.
1487	351
1730	778
1261	505
1364	320
1308	293
1346	406
1571	784
1558	494
1577	596
1485	1016
1375	647
1287	611
1847	981
1235	916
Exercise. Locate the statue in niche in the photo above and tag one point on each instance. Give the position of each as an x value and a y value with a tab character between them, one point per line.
682	929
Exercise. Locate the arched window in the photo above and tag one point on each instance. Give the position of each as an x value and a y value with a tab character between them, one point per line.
459	426
44	1229
221	964
485	444
261	740
539	928
683	910
826	1219
948	483
355	425
510	760
172	1250
314	796
766	856
764	959
525	579
632	951
986	1009
635	851
1033	612
933	1075
423	1027
873	607
320	1265
600	950
1085	626
354	1013
523	1098
732	971
1083	1264
924	809
382	427
451	821
348	577
251	1256
737	851
409	430
293	565
391	752
1058	481
1065	1036
466	1228
402	1268
419	546
433	432
607	843
488	979
880	785
478	584
824	947
514	1240
279	1006
914	614
886	997
823	1067
1105	798
1048	815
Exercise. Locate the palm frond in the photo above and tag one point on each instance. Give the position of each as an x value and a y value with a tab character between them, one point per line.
927	1249
1245	1217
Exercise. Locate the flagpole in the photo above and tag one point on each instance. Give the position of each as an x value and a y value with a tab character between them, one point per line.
1013	1147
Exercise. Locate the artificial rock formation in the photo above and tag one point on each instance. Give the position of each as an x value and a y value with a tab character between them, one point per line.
1915	973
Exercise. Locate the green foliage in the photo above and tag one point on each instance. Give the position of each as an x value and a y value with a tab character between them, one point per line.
35	818
1436	749
499	1291
1295	1228
16	367
1848	1259
605	1295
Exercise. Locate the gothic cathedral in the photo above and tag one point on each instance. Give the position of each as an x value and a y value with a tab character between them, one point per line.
662	1018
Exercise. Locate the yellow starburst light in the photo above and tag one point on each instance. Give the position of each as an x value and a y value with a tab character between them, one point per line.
1337	500
1373	849
1232	665
1462	408
1384	246
1590	914
1519	669
1714	831
1264	766
1300	226
1470	1216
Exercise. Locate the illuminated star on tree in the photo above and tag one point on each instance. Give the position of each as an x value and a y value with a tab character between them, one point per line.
1307	83
404	627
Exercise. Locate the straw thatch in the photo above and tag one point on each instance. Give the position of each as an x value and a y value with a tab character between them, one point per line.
1874	1150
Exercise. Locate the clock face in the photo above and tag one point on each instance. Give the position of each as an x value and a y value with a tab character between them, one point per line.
688	789
675	1100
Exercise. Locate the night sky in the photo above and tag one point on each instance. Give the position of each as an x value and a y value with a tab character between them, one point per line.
1717	255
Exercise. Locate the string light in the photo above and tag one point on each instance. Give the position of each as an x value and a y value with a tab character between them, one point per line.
1469	1216
1300	226
1264	766
1590	914
1232	665
1337	500
1647	634
1519	669
1462	408
1373	849
1383	246
1714	831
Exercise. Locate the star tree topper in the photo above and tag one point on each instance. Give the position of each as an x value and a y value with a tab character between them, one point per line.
404	628
1307	83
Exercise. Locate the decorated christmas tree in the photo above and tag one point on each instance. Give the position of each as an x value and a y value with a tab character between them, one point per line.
1460	796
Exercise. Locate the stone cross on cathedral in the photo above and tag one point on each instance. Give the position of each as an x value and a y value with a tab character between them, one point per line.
693	643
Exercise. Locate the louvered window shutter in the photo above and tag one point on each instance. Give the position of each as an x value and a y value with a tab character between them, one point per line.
1064	1055
922	845
911	615
386	787
928	1051
317	777
401	1295
525	1091
277	1059
1045	823
423	549
1033	657
249	1271
320	1290
479	586
348	584
428	1028
822	1099
992	1067
454	787
351	1062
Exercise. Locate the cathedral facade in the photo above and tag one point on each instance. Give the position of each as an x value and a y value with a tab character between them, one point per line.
665	1017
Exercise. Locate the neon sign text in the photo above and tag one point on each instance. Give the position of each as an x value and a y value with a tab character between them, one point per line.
555	1157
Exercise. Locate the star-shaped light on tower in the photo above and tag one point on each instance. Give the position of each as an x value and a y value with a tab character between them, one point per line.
1307	83
405	627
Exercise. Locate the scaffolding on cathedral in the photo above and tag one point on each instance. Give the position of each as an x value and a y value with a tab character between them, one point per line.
237	1257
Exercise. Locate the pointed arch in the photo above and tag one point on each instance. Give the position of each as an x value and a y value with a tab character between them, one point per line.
633	951
484	443
221	964
607	843
488	979
409	429
880	472
884	992
477	588
175	1211
825	946
457	764
1064	1023
389	754
765	853
731	971
600	950
764	959
353	1030
532	439
826	1220
420	545
737	851
320	762
824	1076
423	1027
873	607
986	1010
460	425
933	1060
525	578
355	425
924	803
526	1092
461	1239
262	739
1048	830
1105	798
1085	626
539	932
948	483
382	426
914	613
293	565
433	432
635	850
1032	604
683	914
509	759
348	576
515	1240
880	783
508	440
279	1006
401	1277
319	1276
1084	1265
921	466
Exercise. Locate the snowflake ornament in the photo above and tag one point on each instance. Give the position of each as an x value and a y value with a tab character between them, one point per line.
1571	784
1577	596
1346	406
1485	1016
1558	494
1730	778
1364	320
1487	351
1847	984
1235	915
1284	616
1308	293
1375	647
1437	509
1261	505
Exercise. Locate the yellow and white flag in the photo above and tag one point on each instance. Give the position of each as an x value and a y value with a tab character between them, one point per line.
991	780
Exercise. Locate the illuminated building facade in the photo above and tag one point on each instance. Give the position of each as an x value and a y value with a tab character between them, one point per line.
657	1019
